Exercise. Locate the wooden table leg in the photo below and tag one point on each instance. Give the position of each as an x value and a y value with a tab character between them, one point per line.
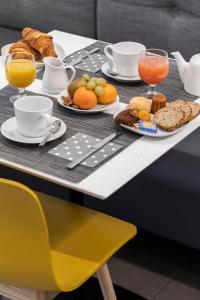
78	198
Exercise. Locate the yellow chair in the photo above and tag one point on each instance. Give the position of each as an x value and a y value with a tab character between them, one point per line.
49	245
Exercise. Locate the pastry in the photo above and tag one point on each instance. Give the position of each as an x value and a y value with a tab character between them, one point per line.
139	103
40	41
125	118
158	101
185	107
169	118
21	48
195	107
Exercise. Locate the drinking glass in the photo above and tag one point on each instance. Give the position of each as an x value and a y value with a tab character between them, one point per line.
20	72
153	68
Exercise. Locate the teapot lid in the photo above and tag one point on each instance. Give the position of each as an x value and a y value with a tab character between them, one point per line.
196	58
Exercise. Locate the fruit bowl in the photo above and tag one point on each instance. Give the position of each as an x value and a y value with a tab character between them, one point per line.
96	109
89	95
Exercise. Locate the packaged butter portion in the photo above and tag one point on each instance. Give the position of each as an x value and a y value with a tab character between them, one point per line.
148	126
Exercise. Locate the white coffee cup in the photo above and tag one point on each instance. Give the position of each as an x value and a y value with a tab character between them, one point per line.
33	115
125	57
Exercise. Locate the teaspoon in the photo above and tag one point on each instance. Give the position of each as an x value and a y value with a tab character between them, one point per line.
55	127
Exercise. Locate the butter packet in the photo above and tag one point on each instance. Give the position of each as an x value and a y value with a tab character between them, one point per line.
148	126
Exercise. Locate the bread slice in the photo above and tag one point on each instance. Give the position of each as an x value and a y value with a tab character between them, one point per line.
195	107
185	107
169	118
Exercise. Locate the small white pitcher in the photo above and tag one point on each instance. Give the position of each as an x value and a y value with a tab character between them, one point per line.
55	77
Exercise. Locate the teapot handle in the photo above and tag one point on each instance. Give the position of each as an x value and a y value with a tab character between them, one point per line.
68	67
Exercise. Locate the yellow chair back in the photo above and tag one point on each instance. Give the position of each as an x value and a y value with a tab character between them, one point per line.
25	258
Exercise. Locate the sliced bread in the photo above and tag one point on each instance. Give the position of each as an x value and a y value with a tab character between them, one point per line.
185	107
169	118
195	107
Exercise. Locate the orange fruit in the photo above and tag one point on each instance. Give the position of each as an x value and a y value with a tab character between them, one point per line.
144	115
84	98
109	95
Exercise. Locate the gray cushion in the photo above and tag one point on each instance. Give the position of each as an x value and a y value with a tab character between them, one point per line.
191	6
167	24
8	36
74	16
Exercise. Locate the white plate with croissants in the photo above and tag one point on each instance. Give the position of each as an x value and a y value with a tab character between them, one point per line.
38	43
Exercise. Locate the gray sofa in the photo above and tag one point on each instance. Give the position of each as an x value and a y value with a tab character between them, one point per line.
166	24
165	198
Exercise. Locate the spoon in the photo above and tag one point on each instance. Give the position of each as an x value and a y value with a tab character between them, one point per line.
110	70
55	127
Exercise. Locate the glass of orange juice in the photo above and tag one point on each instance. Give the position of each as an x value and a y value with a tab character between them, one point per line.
20	72
153	68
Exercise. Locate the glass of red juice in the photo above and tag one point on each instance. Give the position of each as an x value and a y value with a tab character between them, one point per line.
153	68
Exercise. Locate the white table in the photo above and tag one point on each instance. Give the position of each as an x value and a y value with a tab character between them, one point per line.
123	167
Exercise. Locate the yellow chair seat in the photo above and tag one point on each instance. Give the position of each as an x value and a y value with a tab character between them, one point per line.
48	244
81	239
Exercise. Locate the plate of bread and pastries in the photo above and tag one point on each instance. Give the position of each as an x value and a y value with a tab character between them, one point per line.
89	95
35	42
157	117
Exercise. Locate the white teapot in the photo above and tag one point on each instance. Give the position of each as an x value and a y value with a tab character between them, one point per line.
189	73
55	77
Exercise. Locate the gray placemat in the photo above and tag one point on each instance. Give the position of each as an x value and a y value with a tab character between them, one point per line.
38	158
92	63
79	144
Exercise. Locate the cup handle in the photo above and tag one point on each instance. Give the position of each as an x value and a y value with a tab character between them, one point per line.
73	71
48	119
107	52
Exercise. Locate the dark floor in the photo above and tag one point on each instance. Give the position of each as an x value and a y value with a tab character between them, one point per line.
156	268
92	292
151	267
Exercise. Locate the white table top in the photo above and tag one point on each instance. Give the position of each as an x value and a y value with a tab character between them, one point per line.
123	167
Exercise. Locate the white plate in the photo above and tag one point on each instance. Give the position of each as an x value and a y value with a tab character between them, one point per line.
159	134
39	64
95	109
9	131
104	70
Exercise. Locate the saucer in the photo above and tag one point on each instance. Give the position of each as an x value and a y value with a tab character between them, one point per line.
9	131
104	70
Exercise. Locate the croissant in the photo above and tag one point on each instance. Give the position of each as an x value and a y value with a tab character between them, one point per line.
21	48
40	41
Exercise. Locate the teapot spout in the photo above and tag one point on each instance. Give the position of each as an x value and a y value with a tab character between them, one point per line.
181	63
